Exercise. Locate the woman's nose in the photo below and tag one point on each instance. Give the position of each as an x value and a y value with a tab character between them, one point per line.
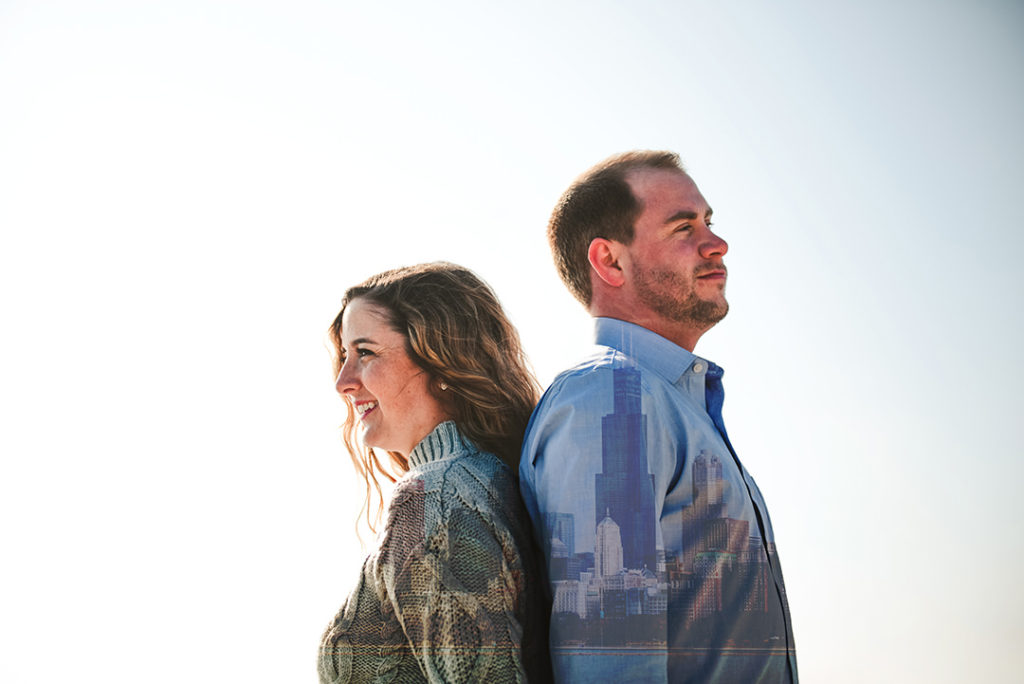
348	379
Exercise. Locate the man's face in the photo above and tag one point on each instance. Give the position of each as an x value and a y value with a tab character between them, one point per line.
675	260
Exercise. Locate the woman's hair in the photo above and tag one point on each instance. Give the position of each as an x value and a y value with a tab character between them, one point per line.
456	331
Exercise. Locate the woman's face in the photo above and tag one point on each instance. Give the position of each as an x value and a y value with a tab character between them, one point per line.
389	392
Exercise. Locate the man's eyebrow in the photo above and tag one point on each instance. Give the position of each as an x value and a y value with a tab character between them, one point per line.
687	215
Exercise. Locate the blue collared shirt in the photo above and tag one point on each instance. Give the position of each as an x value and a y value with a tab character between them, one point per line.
660	554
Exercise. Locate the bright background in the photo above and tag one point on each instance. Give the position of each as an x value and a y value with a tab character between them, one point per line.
187	187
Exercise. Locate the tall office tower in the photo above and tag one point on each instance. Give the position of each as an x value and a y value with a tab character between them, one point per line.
607	548
728	535
562	526
558	561
708	486
625	489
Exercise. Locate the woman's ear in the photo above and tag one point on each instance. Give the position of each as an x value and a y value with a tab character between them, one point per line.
603	256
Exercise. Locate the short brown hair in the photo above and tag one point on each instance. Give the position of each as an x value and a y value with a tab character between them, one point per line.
456	330
599	204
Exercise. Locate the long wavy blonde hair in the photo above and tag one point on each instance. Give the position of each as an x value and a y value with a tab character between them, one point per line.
456	330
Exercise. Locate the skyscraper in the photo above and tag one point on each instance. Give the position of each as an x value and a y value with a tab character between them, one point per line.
624	490
708	486
561	526
607	548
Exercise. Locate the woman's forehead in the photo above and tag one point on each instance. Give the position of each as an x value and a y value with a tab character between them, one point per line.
365	319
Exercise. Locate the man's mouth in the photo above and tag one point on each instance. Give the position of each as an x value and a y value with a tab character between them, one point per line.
716	274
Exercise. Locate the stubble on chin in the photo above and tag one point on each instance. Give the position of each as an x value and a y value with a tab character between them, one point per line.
670	296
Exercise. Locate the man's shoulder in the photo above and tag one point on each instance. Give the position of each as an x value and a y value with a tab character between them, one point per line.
593	372
597	370
599	358
589	386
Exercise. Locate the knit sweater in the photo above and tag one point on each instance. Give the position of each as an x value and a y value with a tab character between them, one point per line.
452	591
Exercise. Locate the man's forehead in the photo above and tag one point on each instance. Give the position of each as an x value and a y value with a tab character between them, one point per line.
658	186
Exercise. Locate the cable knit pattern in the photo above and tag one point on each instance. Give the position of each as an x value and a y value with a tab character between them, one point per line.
452	591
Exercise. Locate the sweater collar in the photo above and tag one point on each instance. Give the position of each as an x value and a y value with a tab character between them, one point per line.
443	442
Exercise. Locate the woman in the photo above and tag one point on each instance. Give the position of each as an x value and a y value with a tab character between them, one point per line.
435	377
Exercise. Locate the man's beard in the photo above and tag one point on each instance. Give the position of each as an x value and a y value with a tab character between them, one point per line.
669	295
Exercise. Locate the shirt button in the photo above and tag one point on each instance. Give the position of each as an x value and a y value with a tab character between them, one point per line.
698	367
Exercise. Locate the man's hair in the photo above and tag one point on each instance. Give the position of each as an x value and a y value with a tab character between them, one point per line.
456	331
599	204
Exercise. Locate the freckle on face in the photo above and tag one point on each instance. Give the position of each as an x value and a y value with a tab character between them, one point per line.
406	410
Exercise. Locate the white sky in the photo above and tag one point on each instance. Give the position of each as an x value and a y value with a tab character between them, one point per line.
186	189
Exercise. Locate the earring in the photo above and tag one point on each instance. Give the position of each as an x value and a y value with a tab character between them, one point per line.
444	386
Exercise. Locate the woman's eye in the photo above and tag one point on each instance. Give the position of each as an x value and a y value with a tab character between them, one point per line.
363	352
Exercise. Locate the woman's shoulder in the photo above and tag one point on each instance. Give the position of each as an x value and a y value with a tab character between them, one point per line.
465	479
449	473
471	499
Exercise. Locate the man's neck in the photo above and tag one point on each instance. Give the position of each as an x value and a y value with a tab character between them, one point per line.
680	334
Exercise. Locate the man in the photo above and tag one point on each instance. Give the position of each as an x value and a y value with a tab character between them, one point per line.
660	553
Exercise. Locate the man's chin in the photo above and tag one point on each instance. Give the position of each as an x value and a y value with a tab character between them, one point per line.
709	313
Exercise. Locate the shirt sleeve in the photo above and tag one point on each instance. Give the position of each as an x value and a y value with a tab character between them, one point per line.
588	486
443	568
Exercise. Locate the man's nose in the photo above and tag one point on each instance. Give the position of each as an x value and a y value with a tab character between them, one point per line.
713	246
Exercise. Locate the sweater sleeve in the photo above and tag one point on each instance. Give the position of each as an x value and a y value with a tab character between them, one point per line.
445	570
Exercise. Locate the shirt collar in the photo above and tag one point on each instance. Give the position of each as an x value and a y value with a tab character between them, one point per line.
665	358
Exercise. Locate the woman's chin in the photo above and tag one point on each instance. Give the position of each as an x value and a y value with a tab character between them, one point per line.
372	440
367	438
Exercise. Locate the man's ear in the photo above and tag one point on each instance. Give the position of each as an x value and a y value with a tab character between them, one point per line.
603	256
